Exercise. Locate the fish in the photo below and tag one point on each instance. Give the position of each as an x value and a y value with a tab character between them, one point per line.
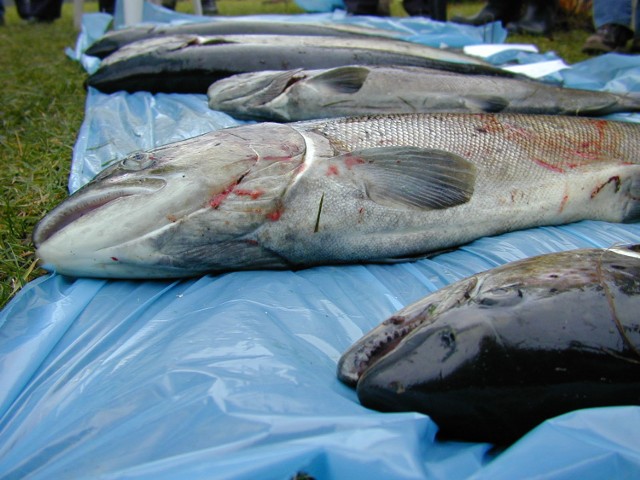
298	94
493	355
116	39
191	63
336	191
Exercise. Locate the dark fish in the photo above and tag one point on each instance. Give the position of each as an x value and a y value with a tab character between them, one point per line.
116	39
190	63
491	356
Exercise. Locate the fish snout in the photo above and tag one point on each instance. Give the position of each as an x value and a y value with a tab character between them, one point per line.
87	200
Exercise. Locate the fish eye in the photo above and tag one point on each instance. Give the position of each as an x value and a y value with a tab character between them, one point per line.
137	161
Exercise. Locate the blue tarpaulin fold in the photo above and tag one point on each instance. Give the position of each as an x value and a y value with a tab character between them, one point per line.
233	375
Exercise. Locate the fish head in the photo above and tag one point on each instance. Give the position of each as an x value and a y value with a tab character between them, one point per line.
482	355
244	94
178	210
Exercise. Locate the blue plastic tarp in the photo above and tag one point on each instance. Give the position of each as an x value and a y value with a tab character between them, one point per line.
233	375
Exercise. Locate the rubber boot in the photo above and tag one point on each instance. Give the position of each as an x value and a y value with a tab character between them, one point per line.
434	9
609	38
209	7
538	19
361	7
504	11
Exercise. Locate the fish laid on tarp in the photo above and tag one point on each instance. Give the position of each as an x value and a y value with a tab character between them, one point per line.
112	41
493	355
293	95
346	190
191	63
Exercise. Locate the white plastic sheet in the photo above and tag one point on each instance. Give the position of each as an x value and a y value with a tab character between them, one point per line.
233	375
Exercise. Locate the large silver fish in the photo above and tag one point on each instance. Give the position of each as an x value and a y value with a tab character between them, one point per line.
191	63
340	191
112	41
293	95
491	356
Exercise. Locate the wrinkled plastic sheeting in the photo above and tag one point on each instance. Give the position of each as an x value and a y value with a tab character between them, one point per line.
118	124
233	375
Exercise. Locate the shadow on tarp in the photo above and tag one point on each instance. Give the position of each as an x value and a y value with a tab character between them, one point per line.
233	375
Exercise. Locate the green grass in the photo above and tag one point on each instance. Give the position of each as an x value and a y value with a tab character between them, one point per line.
42	106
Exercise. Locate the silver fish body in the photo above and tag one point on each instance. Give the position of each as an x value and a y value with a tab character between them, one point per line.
491	356
340	191
294	95
191	63
116	39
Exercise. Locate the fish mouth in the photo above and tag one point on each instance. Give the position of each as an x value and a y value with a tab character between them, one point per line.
375	345
86	201
395	330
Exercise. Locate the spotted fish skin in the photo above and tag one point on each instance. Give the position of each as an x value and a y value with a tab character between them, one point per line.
337	191
491	356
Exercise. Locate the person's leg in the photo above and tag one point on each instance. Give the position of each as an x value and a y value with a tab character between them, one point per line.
435	9
539	18
504	11
612	19
45	10
209	7
361	7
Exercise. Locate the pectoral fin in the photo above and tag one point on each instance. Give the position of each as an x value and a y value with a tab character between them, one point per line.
341	80
411	177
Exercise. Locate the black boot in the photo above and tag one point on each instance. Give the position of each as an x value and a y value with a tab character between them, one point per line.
434	9
538	19
608	38
209	7
504	11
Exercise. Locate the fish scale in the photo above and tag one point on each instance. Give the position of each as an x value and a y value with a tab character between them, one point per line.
366	189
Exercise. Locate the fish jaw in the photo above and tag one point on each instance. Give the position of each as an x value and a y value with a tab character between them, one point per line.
386	337
246	94
166	212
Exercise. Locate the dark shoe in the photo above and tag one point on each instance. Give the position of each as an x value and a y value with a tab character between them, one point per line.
502	11
538	19
34	20
608	38
209	7
1	21
170	4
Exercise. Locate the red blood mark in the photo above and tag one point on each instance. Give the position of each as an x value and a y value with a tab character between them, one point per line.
275	215
351	160
172	218
548	166
252	242
115	259
598	189
217	199
254	194
564	201
332	170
